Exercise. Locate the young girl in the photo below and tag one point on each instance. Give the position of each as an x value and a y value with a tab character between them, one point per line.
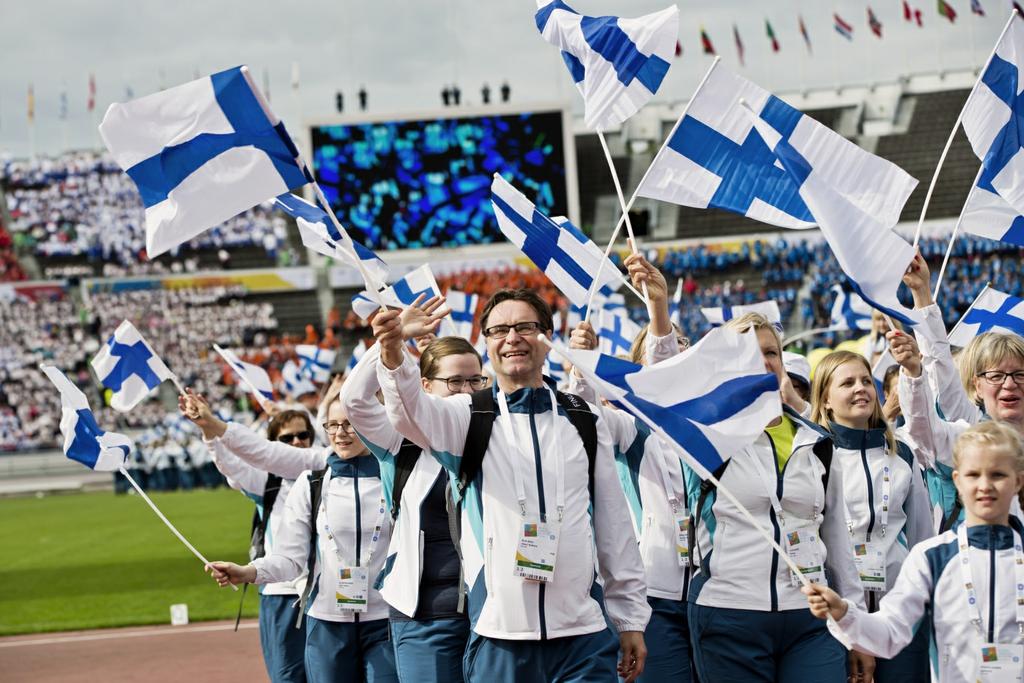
967	584
886	501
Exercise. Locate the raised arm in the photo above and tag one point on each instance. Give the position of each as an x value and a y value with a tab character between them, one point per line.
366	413
240	474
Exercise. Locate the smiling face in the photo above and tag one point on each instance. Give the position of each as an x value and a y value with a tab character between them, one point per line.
771	352
851	397
344	441
456	365
518	360
1005	401
987	482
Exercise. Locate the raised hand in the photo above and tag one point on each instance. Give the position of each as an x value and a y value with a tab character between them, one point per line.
919	280
422	318
583	337
387	328
905	351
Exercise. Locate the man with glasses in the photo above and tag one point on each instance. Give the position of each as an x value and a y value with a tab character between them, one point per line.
533	513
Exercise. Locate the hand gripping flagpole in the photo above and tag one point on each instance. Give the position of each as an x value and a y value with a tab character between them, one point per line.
956	232
956	126
260	398
836	631
163	519
625	213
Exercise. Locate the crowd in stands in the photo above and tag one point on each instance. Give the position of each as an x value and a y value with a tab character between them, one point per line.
10	269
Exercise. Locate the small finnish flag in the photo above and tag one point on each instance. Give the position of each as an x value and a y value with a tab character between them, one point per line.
459	322
129	367
616	333
295	384
402	293
84	440
992	311
315	363
253	377
722	314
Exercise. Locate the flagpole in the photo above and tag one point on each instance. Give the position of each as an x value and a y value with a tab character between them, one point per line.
809	333
839	633
956	125
988	285
956	231
260	398
166	521
618	226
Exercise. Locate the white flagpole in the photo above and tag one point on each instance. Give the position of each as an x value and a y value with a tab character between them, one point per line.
260	398
632	199
809	333
988	286
956	125
596	383
163	519
956	231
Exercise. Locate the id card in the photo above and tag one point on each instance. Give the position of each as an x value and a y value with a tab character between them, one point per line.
1001	663
537	550
683	539
802	548
869	558
352	590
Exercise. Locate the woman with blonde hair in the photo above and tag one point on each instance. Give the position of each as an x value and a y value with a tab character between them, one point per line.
887	509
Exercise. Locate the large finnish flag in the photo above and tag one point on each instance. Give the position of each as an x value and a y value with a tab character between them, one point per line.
201	153
319	233
992	311
558	248
84	440
459	322
402	293
128	366
993	119
253	377
722	314
618	64
616	332
714	158
713	400
873	257
849	311
315	363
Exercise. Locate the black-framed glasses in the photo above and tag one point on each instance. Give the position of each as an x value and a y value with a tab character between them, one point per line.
455	384
333	427
501	331
295	436
996	378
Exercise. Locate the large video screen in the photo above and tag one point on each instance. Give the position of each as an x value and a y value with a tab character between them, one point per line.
426	183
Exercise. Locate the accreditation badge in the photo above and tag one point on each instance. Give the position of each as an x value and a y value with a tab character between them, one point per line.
869	558
537	550
352	590
803	548
683	538
1001	663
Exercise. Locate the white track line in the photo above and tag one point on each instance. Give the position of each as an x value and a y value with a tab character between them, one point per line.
118	633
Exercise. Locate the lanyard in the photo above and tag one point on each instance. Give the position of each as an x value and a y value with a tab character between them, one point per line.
517	462
676	499
377	528
969	586
769	486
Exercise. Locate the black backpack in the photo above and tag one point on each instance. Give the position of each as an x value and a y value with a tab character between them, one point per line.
259	523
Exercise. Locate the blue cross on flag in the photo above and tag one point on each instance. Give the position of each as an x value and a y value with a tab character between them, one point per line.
253	377
459	322
714	159
358	351
84	440
127	366
315	363
617	64
319	233
615	333
402	293
558	248
201	153
849	311
713	400
992	311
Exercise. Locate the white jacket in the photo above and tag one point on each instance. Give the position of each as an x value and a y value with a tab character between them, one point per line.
278	458
862	455
740	570
943	374
931	585
502	605
351	504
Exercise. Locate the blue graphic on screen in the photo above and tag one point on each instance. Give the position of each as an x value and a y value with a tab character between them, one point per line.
413	184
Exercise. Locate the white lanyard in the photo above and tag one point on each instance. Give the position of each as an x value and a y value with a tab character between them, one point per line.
770	486
517	461
377	528
676	499
972	592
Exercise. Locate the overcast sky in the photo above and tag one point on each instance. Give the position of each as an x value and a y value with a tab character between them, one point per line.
404	51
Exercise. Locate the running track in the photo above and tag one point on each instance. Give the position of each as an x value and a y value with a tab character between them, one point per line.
209	651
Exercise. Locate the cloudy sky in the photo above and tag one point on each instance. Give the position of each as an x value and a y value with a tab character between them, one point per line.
405	51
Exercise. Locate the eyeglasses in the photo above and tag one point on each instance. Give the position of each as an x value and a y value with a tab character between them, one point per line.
522	329
996	378
333	427
296	436
455	384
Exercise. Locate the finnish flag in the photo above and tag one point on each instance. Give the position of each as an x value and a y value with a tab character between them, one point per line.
714	158
557	248
402	293
618	64
722	314
991	311
713	400
319	233
315	363
295	384
615	333
358	351
84	440
201	153
554	368
849	311
253	377
128	366
992	115
873	257
986	214
459	322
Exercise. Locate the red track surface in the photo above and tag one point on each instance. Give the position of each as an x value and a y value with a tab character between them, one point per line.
209	651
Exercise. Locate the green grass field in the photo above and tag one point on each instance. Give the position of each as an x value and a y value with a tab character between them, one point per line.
96	560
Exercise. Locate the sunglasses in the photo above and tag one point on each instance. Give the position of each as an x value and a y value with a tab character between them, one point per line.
296	436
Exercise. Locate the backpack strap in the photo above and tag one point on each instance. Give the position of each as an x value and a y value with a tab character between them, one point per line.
824	449
954	514
260	522
478	436
405	461
316	480
585	422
